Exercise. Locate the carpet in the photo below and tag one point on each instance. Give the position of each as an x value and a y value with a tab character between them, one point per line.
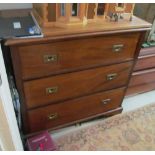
133	130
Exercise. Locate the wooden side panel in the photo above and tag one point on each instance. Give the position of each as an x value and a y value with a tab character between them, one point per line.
19	84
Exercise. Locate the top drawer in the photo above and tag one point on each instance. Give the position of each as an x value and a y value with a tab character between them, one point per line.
59	57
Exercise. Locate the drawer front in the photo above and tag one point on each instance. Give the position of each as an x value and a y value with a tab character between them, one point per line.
73	110
145	62
147	51
133	90
66	86
60	57
142	77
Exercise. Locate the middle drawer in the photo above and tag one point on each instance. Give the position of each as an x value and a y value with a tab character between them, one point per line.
67	86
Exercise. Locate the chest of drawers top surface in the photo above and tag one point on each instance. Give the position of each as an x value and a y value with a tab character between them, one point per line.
91	29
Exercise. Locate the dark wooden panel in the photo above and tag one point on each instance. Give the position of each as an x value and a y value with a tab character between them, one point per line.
52	14
147	51
142	77
76	54
145	62
75	84
134	90
19	85
72	110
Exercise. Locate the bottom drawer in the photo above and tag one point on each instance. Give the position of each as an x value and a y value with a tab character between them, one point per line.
73	110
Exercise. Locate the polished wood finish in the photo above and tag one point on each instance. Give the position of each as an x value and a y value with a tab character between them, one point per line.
90	11
145	62
70	70
93	29
142	79
106	114
147	51
86	13
146	59
75	84
74	109
76	54
138	89
44	12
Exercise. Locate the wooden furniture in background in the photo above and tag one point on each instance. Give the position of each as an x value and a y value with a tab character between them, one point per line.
75	74
143	77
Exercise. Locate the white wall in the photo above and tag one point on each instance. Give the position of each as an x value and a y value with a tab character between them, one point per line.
5	6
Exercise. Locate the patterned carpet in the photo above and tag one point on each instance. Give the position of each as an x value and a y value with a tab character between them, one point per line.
129	131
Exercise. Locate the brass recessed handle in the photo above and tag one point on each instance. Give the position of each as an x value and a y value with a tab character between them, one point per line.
52	116
50	58
117	48
52	90
106	101
111	76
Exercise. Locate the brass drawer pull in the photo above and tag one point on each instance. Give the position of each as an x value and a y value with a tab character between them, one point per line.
50	58
51	90
52	116
111	76
106	101
118	47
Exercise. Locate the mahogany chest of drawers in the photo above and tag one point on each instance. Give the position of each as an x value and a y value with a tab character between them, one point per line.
73	75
